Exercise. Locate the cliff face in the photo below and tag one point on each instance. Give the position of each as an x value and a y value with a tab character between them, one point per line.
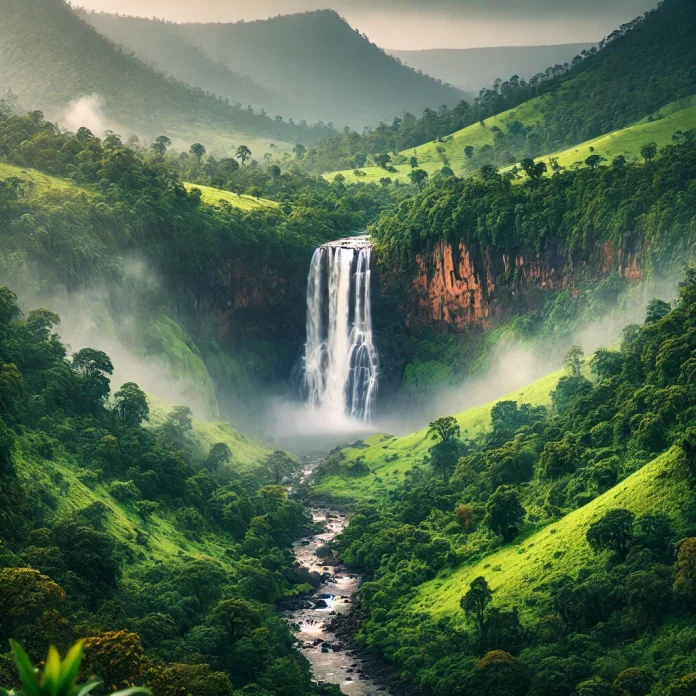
457	287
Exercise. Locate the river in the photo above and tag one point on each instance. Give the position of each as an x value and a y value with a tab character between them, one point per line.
331	660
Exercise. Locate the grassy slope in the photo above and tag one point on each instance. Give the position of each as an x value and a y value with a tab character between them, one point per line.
628	141
74	490
519	572
428	157
39	183
410	449
213	196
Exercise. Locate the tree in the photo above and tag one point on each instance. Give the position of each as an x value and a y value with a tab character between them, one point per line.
685	580
656	310
648	152
573	361
413	162
418	178
593	161
444	428
243	153
634	681
360	159
93	365
613	532
445	455
116	657
162	142
131	404
504	512
534	170
469	151
280	465
498	673
383	159
339	179
474	603
27	599
193	680
218	456
300	151
197	150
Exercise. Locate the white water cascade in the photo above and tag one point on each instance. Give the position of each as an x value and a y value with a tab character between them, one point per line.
341	362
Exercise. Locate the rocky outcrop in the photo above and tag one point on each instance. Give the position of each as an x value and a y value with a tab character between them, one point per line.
457	287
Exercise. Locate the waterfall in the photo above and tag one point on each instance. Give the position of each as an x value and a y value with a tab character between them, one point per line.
341	362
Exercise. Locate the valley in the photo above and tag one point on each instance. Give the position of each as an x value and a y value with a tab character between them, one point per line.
321	375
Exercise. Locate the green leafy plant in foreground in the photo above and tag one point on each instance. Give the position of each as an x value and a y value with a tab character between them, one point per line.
58	677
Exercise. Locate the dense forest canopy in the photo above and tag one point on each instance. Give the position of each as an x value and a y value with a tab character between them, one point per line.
543	544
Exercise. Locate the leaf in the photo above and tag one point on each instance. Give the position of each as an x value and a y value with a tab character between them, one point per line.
50	678
5	692
84	690
70	668
132	690
27	673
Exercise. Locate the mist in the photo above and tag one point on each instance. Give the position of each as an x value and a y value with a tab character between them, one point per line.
515	365
419	24
87	112
104	317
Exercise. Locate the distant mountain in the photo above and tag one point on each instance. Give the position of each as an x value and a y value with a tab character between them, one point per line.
161	45
50	58
472	69
319	66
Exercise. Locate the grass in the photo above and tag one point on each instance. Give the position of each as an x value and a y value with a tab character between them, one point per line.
658	128
628	141
406	451
39	184
72	489
429	158
212	196
519	573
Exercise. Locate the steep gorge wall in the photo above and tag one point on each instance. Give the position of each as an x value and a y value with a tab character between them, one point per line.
457	287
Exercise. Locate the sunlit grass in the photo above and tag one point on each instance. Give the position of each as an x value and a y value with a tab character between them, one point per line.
409	450
519	573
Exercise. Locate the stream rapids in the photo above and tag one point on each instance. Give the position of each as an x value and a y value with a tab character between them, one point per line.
332	661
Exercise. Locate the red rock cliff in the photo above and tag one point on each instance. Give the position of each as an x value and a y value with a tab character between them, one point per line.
459	287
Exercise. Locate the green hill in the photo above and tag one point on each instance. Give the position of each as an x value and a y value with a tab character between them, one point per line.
389	458
658	128
310	66
638	69
519	572
431	156
50	58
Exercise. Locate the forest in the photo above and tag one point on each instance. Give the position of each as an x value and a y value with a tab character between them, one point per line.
278	418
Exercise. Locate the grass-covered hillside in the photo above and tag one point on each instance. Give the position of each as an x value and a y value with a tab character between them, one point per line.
451	151
637	70
50	58
552	553
388	459
313	66
520	572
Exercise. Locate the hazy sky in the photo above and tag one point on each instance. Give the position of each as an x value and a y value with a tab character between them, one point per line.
414	24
